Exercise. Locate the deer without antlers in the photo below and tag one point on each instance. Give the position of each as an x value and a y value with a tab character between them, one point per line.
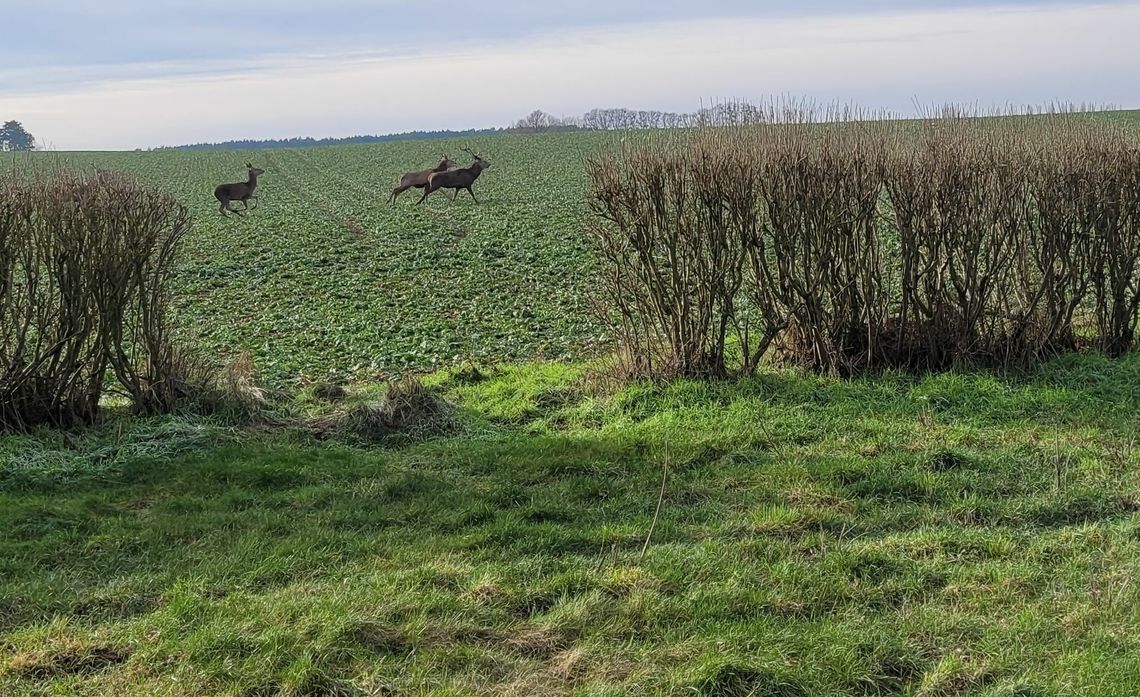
241	191
456	179
419	180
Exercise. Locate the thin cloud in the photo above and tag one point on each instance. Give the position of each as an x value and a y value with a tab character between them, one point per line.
1003	55
63	33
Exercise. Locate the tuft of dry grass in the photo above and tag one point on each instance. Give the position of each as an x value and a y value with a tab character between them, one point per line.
326	392
406	409
72	659
238	385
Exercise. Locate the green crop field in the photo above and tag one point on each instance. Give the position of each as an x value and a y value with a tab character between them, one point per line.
325	279
784	535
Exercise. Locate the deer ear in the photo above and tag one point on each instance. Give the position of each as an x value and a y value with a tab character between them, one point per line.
249	165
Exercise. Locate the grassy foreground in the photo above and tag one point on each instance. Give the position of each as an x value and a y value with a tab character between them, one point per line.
954	535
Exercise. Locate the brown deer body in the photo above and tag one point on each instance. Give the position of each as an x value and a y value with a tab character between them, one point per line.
419	180
456	179
241	191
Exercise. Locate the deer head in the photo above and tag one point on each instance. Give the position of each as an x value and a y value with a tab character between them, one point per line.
483	164
254	171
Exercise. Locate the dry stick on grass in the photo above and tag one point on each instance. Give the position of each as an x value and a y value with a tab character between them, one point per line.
601	558
1058	462
660	500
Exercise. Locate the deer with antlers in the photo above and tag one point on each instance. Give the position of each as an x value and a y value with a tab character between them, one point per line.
418	180
456	179
241	191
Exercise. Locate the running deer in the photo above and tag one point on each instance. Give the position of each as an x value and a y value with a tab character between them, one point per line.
242	191
456	179
418	180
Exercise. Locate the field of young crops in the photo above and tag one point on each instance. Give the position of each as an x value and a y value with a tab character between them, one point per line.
326	280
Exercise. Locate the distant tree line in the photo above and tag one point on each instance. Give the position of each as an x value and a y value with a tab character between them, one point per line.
13	136
319	142
621	119
537	121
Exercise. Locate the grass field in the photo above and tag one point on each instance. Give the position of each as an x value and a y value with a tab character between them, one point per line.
959	534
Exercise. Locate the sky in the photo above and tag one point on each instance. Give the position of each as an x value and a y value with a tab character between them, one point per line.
119	74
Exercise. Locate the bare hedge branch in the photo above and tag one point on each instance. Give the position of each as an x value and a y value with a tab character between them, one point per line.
845	245
85	268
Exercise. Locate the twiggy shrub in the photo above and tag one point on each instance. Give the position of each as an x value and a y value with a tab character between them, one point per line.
957	205
818	251
849	245
52	352
85	268
670	217
1114	247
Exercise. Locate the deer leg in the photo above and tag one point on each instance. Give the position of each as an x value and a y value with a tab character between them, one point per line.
472	194
427	190
254	201
396	194
245	202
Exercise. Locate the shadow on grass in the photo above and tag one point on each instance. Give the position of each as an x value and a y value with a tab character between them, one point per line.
503	530
1069	389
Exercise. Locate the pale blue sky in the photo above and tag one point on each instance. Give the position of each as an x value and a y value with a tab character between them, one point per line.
116	74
